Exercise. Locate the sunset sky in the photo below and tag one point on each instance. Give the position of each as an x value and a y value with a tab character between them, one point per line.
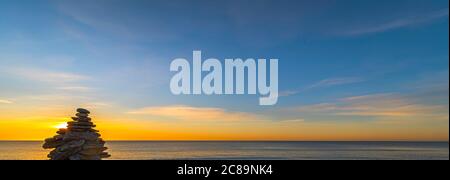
348	70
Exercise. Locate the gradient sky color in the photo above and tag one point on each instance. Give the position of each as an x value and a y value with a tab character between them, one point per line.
349	70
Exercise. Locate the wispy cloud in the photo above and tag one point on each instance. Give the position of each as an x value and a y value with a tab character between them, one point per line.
336	82
3	101
44	75
316	108
289	93
369	96
324	84
386	105
189	113
396	23
376	105
60	97
75	88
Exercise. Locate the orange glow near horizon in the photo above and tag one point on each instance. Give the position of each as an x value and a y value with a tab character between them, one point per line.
136	130
242	127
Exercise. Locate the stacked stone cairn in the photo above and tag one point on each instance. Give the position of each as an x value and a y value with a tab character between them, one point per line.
79	141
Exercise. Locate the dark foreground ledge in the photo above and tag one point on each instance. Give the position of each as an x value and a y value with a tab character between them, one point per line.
170	169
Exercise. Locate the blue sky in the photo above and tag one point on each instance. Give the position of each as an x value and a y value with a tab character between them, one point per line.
117	53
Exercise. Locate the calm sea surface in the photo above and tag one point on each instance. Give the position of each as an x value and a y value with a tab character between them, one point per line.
248	150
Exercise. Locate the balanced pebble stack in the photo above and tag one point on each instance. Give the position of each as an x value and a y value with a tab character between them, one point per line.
79	141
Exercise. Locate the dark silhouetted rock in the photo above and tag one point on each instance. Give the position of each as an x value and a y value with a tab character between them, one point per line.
78	142
81	115
84	111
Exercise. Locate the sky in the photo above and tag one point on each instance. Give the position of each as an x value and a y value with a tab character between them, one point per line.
348	70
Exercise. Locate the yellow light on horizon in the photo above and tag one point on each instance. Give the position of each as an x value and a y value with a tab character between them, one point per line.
61	126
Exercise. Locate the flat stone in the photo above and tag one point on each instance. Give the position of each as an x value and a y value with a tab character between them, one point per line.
79	127
98	142
88	136
51	145
78	123
83	115
93	151
58	137
79	130
84	119
94	130
50	140
62	131
84	111
71	145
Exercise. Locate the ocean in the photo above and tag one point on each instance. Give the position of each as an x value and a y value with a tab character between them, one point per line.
211	150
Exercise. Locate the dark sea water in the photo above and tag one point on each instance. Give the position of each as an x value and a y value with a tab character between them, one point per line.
249	150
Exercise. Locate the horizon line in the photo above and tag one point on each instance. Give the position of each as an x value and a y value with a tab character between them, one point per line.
441	141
